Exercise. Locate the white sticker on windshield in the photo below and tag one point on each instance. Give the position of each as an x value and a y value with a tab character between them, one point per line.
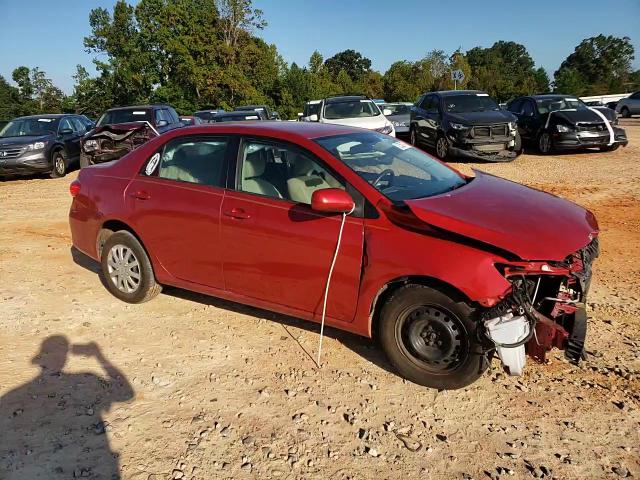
401	145
571	99
139	112
482	94
153	163
45	120
251	117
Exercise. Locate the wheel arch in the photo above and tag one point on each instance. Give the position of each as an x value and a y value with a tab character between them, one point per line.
388	289
111	226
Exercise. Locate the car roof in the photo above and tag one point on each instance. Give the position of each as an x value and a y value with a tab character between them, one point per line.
298	130
238	113
449	93
140	107
345	98
47	115
551	95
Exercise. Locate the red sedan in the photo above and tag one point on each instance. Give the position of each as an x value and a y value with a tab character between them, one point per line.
445	270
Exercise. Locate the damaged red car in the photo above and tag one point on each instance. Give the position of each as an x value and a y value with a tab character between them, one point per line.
445	270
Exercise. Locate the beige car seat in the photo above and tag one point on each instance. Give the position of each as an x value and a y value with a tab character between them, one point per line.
306	179
253	167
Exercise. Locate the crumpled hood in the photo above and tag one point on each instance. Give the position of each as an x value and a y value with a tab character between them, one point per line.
371	123
482	118
118	131
531	224
23	140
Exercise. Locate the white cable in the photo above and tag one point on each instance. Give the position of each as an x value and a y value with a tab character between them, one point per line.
326	290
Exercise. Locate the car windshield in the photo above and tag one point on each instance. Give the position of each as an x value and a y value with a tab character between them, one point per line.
352	109
397	108
398	170
546	105
29	127
478	102
124	116
236	118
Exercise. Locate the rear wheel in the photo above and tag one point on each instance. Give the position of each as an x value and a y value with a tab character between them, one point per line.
413	138
431	339
545	144
58	164
442	147
625	112
127	270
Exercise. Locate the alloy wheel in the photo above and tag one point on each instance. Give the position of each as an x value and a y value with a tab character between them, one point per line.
58	165
412	137
442	147
545	143
124	268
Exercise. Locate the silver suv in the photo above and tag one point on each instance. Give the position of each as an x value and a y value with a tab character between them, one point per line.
629	106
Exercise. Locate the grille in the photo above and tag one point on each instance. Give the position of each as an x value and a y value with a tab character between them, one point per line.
10	153
488	131
590	127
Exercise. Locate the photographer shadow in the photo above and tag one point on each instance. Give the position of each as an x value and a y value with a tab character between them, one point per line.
52	427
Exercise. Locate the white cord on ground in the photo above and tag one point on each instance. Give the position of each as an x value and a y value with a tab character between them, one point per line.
326	290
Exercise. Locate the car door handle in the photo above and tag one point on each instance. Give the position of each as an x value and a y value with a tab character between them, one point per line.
238	213
141	195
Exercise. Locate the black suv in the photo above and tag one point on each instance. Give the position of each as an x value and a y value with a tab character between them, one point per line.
562	122
41	144
120	130
467	123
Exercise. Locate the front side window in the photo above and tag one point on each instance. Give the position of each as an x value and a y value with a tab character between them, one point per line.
192	160
479	102
282	171
78	125
351	109
65	124
399	171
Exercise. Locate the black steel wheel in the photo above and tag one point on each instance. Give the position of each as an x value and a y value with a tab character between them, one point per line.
431	338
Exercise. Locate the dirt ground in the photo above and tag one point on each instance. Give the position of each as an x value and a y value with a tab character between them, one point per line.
211	389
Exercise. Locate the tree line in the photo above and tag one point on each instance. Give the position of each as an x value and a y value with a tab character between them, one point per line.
196	54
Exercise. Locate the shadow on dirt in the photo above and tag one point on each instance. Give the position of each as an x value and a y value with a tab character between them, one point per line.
365	347
52	427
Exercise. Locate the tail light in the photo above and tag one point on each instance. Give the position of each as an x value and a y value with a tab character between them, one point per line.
74	188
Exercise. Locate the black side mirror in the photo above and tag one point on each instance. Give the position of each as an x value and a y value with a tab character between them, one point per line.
66	131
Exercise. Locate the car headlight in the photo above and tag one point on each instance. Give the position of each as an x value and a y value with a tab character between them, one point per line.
387	129
36	146
459	126
563	128
90	145
399	124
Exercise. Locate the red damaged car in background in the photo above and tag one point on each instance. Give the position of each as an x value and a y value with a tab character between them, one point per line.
121	130
445	270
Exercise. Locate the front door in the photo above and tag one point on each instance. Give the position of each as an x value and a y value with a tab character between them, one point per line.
276	248
176	201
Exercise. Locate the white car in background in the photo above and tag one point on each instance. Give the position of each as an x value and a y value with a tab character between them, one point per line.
354	111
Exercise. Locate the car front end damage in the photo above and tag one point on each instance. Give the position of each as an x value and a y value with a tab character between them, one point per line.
580	135
493	142
545	308
111	142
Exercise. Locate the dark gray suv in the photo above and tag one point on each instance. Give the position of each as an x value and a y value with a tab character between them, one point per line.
41	144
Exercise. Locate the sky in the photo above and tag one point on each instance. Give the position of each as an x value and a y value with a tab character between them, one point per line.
49	33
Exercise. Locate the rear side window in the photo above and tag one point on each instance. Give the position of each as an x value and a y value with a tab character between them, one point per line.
198	160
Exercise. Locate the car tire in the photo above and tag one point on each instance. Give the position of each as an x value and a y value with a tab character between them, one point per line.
413	137
431	339
123	258
545	143
517	145
610	148
58	164
442	147
625	112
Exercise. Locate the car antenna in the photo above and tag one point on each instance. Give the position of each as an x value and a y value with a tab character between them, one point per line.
326	290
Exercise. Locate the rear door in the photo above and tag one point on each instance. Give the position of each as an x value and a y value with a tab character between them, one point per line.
175	202
276	248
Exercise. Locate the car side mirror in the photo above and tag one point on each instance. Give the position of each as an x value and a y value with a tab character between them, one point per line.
162	123
386	112
332	200
313	118
66	131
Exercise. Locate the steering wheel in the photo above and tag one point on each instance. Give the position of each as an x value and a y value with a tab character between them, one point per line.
383	174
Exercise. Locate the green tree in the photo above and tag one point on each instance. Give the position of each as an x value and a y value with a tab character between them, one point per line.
569	80
352	62
400	82
10	101
599	65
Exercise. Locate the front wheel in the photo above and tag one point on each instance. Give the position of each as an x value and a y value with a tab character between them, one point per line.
413	137
442	147
127	270
58	164
625	112
431	339
610	148
545	144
